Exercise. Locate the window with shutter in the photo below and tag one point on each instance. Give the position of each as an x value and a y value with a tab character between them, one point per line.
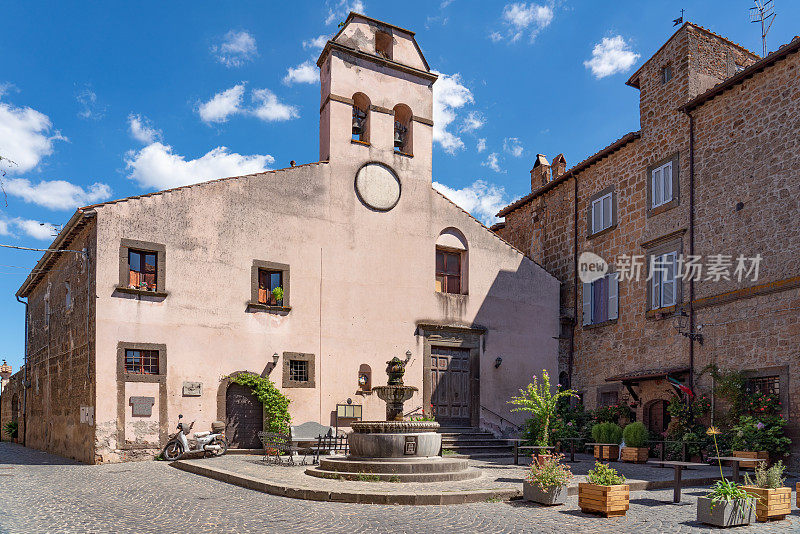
663	286
661	185
601	300
602	213
448	271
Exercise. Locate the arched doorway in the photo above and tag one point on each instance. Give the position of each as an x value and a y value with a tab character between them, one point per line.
656	416
244	417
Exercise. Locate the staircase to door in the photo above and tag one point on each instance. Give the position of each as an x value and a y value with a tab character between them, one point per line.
474	442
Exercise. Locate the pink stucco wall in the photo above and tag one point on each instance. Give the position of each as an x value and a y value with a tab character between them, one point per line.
360	279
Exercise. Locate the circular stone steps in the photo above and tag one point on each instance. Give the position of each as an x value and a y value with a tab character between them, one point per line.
435	469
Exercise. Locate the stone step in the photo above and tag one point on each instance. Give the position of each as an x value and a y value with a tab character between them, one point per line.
472	449
466	474
470	440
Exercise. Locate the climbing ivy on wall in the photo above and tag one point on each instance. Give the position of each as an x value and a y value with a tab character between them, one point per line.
276	405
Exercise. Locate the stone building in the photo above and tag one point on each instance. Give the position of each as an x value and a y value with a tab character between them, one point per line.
172	292
713	170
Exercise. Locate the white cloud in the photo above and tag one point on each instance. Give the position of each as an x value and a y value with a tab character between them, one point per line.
89	108
473	121
25	137
482	199
222	105
57	194
339	9
157	167
493	162
305	72
610	56
142	130
35	229
7	87
449	95
317	43
521	18
270	109
481	146
513	146
236	49
4	228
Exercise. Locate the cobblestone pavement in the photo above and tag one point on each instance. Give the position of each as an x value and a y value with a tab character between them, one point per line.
43	493
497	474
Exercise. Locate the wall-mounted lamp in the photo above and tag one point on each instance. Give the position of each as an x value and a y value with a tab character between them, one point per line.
273	364
275	358
497	362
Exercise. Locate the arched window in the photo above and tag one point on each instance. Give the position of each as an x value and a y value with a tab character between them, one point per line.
361	118
452	273
402	129
364	378
383	44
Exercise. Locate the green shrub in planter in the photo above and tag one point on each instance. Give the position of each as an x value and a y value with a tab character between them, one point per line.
607	433
635	435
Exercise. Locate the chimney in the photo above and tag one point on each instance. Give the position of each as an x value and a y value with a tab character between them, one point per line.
540	173
5	371
559	166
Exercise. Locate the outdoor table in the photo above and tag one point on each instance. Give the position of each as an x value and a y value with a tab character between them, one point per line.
534	448
678	467
572	448
734	460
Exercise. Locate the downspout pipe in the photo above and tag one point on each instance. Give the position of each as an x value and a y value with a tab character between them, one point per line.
691	247
574	278
24	375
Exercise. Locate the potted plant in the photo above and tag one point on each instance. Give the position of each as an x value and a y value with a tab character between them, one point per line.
538	399
604	492
728	504
546	482
757	437
609	435
277	296
11	429
635	437
774	500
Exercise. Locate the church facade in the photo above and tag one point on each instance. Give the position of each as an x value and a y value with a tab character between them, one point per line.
313	276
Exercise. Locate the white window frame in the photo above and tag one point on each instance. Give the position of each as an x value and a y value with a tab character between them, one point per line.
660	186
663	288
606	212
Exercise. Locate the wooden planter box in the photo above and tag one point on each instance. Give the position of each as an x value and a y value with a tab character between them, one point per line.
725	514
761	455
608	501
637	455
771	504
607	453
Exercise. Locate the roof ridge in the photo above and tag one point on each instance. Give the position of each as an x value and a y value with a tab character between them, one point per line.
579	167
181	187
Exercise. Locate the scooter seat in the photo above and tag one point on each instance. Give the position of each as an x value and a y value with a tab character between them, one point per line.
201	434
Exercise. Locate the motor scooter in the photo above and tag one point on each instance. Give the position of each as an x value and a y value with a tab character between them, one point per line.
213	443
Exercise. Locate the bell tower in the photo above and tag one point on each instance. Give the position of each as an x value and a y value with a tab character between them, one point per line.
376	97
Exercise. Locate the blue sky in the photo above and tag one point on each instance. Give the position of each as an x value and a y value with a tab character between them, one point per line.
105	102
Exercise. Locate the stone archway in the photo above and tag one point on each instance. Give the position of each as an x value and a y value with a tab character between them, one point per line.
242	414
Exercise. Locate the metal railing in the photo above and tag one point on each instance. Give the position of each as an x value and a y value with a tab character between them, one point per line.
502	419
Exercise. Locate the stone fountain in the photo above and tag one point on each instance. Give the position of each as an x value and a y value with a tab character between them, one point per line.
396	450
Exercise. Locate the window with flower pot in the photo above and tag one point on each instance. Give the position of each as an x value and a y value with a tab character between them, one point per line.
141	362
142	267
269	285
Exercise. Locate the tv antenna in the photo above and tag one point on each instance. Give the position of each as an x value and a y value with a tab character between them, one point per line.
763	12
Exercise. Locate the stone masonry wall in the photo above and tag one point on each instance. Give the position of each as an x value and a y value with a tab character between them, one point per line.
61	372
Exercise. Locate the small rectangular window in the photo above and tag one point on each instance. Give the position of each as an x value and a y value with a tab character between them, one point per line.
766	385
270	287
448	271
609	398
602	213
298	370
142	269
141	362
666	74
661	185
68	296
663	288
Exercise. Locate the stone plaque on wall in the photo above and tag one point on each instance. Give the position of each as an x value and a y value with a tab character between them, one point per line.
411	445
192	389
142	406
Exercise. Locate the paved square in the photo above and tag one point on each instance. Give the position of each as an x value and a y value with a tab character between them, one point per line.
44	493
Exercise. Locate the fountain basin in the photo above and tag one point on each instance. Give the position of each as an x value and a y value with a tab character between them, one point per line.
395	439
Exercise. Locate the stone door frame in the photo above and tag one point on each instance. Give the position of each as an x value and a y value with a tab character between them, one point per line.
460	337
